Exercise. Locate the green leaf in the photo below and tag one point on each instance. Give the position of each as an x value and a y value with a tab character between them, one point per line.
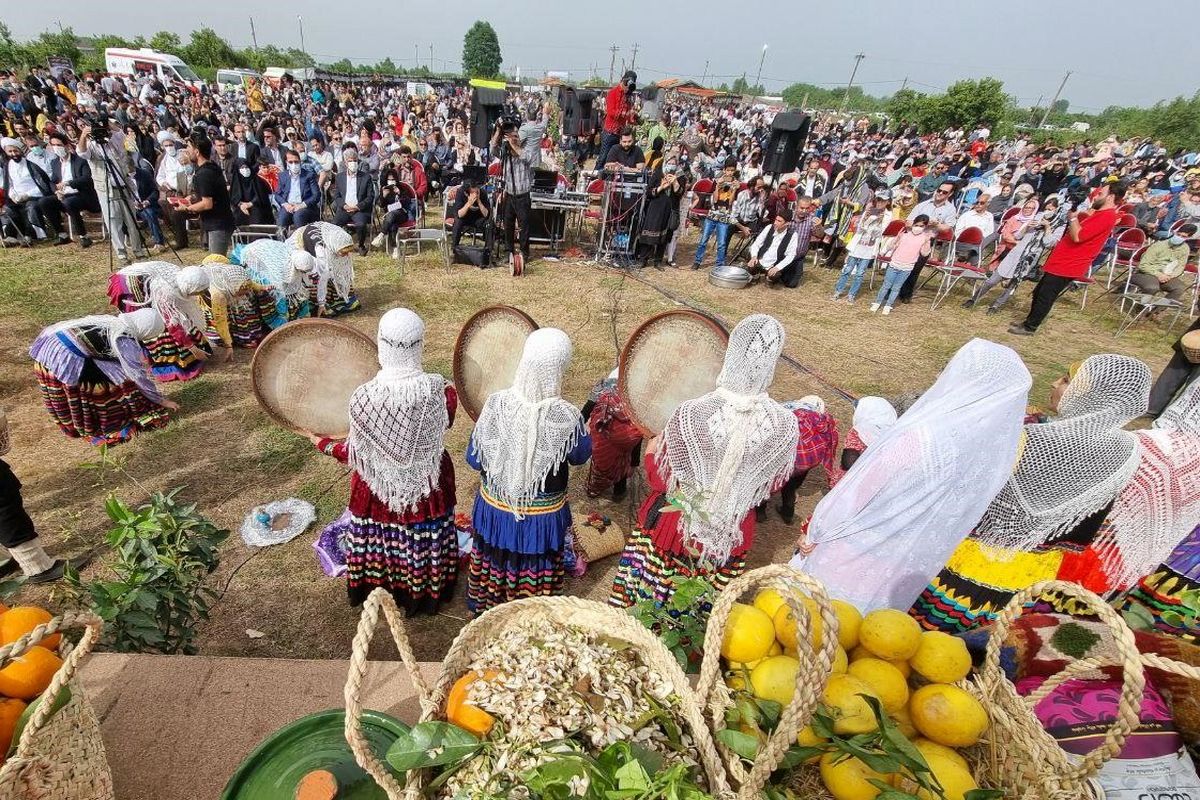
632	776
984	794
431	744
822	723
889	793
769	713
743	744
796	755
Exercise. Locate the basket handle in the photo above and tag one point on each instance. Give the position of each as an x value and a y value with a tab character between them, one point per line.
1133	683
378	601
807	691
93	626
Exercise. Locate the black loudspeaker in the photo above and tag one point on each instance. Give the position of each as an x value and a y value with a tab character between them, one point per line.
578	119
789	131
486	107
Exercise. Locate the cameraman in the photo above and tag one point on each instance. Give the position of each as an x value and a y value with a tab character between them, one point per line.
95	142
521	154
618	114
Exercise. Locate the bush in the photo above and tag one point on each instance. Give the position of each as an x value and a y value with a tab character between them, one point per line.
156	595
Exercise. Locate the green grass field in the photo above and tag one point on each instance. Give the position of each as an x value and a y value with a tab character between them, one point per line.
230	457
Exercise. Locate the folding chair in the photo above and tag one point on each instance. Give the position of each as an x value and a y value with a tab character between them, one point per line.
955	269
1126	221
893	229
1130	243
422	235
702	193
1192	269
944	239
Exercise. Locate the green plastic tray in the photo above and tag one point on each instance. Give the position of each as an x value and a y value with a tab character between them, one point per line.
317	741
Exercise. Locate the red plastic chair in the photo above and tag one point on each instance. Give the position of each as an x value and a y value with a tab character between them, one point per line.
1009	214
1128	243
595	193
1126	221
944	239
893	229
955	269
703	193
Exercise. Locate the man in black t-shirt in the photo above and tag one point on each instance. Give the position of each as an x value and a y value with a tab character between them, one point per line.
626	156
208	185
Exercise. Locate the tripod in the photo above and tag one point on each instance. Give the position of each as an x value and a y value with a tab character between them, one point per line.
113	179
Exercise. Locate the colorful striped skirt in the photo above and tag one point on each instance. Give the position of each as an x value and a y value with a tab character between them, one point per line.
513	558
646	573
1165	593
249	317
416	562
335	305
171	362
98	409
977	583
125	294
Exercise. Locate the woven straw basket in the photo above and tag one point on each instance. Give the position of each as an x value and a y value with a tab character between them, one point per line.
1189	343
60	758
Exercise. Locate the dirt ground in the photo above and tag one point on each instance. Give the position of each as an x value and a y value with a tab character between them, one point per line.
226	453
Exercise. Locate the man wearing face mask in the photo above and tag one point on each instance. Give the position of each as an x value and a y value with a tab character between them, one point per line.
36	153
1163	263
72	178
353	198
298	197
29	195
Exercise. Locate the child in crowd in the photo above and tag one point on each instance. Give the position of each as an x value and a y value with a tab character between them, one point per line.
864	245
910	245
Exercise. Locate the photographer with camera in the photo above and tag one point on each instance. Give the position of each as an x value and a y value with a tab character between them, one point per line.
101	146
519	155
618	114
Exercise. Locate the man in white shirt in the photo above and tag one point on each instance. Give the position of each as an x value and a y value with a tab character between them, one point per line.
943	216
774	249
30	201
121	224
977	216
322	161
169	167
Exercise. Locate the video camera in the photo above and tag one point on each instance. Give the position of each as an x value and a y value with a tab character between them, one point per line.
100	127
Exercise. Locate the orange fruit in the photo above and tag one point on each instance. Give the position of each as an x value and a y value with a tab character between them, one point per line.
10	712
20	620
28	675
460	711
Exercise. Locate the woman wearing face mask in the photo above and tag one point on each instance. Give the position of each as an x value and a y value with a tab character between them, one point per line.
390	194
249	195
662	213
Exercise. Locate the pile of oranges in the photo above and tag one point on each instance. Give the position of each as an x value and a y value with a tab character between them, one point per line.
24	678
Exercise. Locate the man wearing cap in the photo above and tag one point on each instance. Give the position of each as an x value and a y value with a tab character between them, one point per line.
29	195
618	113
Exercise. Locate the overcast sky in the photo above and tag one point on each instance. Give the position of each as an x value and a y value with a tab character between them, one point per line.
1118	52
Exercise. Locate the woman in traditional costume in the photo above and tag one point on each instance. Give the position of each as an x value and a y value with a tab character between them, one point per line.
524	442
401	534
816	446
616	441
877	538
95	379
720	456
324	251
270	265
179	353
873	416
238	308
1068	475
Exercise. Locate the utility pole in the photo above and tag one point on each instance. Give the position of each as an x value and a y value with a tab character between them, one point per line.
1050	107
300	20
416	55
633	63
253	36
431	56
704	79
612	65
904	85
763	57
1033	114
857	60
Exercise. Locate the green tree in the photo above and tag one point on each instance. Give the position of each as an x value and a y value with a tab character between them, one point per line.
481	51
385	67
208	50
966	103
341	66
1061	105
298	58
167	42
11	53
905	106
742	86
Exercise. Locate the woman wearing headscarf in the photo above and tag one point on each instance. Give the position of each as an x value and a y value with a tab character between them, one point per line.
179	352
323	251
401	535
817	446
662	212
1034	237
1067	477
1014	228
524	442
877	538
95	379
269	264
249	195
719	457
654	158
872	417
238	309
616	440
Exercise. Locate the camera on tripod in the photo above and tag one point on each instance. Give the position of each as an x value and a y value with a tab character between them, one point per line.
100	130
508	122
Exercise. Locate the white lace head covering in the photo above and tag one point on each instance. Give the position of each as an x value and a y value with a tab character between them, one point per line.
525	432
332	259
226	278
873	416
272	263
1160	504
892	522
398	419
727	450
172	293
141	325
192	280
1072	467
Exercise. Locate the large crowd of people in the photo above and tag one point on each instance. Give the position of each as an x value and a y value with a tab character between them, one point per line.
327	163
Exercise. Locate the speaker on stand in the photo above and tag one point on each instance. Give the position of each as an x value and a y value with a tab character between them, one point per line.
487	106
789	132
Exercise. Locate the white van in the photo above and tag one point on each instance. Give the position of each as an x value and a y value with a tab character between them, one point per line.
234	79
164	66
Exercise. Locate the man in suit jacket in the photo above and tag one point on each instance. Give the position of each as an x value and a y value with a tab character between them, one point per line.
354	197
297	195
71	175
29	198
243	146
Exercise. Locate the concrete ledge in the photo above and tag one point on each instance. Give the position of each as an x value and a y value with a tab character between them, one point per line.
177	727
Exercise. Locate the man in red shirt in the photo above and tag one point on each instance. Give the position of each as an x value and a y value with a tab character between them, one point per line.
1072	258
618	113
